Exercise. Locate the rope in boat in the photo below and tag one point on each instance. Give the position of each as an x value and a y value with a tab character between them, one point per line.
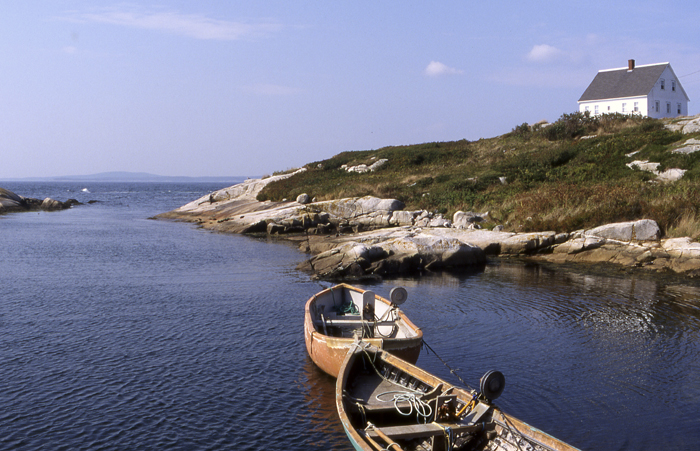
414	402
385	317
422	408
448	366
447	431
348	307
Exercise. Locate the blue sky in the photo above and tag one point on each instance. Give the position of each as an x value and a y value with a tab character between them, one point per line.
214	88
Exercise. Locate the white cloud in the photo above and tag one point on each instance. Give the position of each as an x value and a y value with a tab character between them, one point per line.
192	25
69	49
544	53
435	69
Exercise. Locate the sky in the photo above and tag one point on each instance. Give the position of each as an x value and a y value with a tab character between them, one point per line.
246	88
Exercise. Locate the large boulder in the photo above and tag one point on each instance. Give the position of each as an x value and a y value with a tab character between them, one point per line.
642	230
338	261
50	204
392	254
463	220
434	251
526	243
403	218
10	200
353	207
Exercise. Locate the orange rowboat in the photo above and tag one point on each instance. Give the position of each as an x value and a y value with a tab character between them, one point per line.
338	316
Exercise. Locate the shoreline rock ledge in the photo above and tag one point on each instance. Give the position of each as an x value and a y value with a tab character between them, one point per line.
368	236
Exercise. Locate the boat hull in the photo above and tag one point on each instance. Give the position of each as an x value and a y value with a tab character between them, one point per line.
328	352
471	423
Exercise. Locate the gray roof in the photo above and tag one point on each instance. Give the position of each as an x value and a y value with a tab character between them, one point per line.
613	84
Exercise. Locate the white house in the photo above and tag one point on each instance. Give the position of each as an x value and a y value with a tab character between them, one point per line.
651	90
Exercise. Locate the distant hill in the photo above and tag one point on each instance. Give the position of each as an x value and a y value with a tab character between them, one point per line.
132	177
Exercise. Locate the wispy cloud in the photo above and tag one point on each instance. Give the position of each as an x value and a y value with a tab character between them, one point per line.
196	26
544	53
436	69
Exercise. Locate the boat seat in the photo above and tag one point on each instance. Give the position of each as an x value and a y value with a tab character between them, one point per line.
411	431
353	323
384	407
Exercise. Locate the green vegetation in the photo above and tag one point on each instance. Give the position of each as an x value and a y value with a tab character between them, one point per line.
554	178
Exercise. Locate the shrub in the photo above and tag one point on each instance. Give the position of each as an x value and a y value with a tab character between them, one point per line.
522	131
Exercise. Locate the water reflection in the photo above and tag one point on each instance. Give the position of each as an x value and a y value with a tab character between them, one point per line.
318	413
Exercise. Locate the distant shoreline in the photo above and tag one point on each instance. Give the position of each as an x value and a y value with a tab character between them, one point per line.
130	177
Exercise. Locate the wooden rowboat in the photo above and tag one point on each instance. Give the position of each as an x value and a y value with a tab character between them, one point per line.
385	403
338	316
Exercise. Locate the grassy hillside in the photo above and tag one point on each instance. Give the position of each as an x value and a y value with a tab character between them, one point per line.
557	177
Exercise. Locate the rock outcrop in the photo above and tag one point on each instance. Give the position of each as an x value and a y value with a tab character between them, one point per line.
391	251
11	202
368	236
686	125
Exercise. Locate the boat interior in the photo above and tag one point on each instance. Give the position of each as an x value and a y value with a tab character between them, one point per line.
346	313
387	405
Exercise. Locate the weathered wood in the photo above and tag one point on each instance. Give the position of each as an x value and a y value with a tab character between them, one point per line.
372	442
391	444
411	431
352	322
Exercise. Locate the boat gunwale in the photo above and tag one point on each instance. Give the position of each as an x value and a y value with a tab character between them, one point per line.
498	416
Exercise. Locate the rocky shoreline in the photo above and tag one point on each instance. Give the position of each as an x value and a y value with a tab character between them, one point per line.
11	203
371	237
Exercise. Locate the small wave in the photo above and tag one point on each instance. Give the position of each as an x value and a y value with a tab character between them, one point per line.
85	190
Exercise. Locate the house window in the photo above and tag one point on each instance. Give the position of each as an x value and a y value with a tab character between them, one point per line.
636	106
663	84
658	108
673	85
679	108
586	108
596	109
608	107
624	105
668	107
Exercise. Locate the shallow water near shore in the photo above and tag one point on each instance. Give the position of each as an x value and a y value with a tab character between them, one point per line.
120	332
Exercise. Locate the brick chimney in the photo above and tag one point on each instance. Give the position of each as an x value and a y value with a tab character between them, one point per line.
630	64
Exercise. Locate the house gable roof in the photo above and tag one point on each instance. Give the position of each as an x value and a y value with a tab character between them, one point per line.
617	83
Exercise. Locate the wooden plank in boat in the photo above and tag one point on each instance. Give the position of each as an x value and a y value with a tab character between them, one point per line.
352	322
411	431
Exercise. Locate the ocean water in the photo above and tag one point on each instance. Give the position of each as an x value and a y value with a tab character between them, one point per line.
122	332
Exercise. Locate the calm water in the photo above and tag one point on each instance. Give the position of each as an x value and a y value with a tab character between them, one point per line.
119	332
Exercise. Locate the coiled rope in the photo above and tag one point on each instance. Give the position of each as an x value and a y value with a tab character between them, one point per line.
422	408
